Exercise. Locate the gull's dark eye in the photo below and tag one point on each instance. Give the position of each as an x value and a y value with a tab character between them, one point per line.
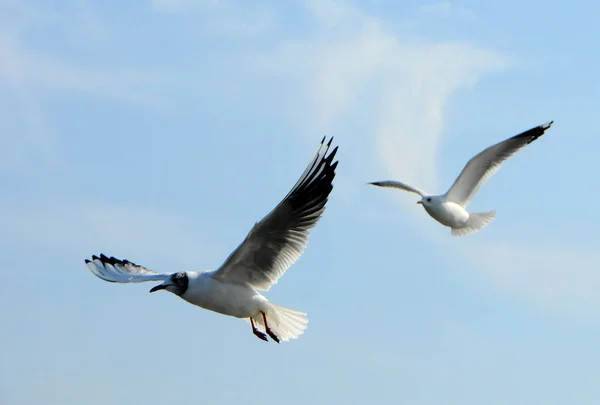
429	200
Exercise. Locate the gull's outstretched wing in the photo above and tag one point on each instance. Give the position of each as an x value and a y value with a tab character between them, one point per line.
401	186
279	239
122	271
481	167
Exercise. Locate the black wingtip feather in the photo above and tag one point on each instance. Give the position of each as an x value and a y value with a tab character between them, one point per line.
315	188
333	152
87	261
110	260
286	226
534	133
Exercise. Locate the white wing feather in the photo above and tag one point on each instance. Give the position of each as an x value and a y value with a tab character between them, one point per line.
481	167
122	271
279	239
399	185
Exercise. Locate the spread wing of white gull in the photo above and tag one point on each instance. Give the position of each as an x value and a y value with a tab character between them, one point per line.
269	249
449	209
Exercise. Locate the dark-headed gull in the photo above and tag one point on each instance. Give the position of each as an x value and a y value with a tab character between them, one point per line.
270	248
450	209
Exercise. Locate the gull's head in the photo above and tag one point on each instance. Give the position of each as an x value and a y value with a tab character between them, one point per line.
177	283
427	200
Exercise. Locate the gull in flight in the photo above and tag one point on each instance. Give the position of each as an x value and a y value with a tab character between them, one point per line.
270	248
450	209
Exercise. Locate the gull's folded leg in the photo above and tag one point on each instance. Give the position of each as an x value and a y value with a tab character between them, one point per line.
258	333
269	331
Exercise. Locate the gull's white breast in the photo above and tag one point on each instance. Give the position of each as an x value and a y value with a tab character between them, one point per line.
241	301
448	213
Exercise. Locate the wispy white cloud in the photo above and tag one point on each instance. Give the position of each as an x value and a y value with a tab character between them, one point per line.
354	60
354	63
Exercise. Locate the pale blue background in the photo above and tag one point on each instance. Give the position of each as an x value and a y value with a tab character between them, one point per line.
160	132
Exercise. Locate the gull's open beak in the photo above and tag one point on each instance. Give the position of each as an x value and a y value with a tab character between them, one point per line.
159	287
419	202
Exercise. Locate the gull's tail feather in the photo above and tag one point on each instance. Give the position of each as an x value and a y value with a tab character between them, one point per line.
477	221
285	323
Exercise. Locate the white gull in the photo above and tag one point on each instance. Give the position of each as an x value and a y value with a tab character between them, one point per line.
450	209
270	248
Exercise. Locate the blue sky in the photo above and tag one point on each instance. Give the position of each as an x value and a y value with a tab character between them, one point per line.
161	131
